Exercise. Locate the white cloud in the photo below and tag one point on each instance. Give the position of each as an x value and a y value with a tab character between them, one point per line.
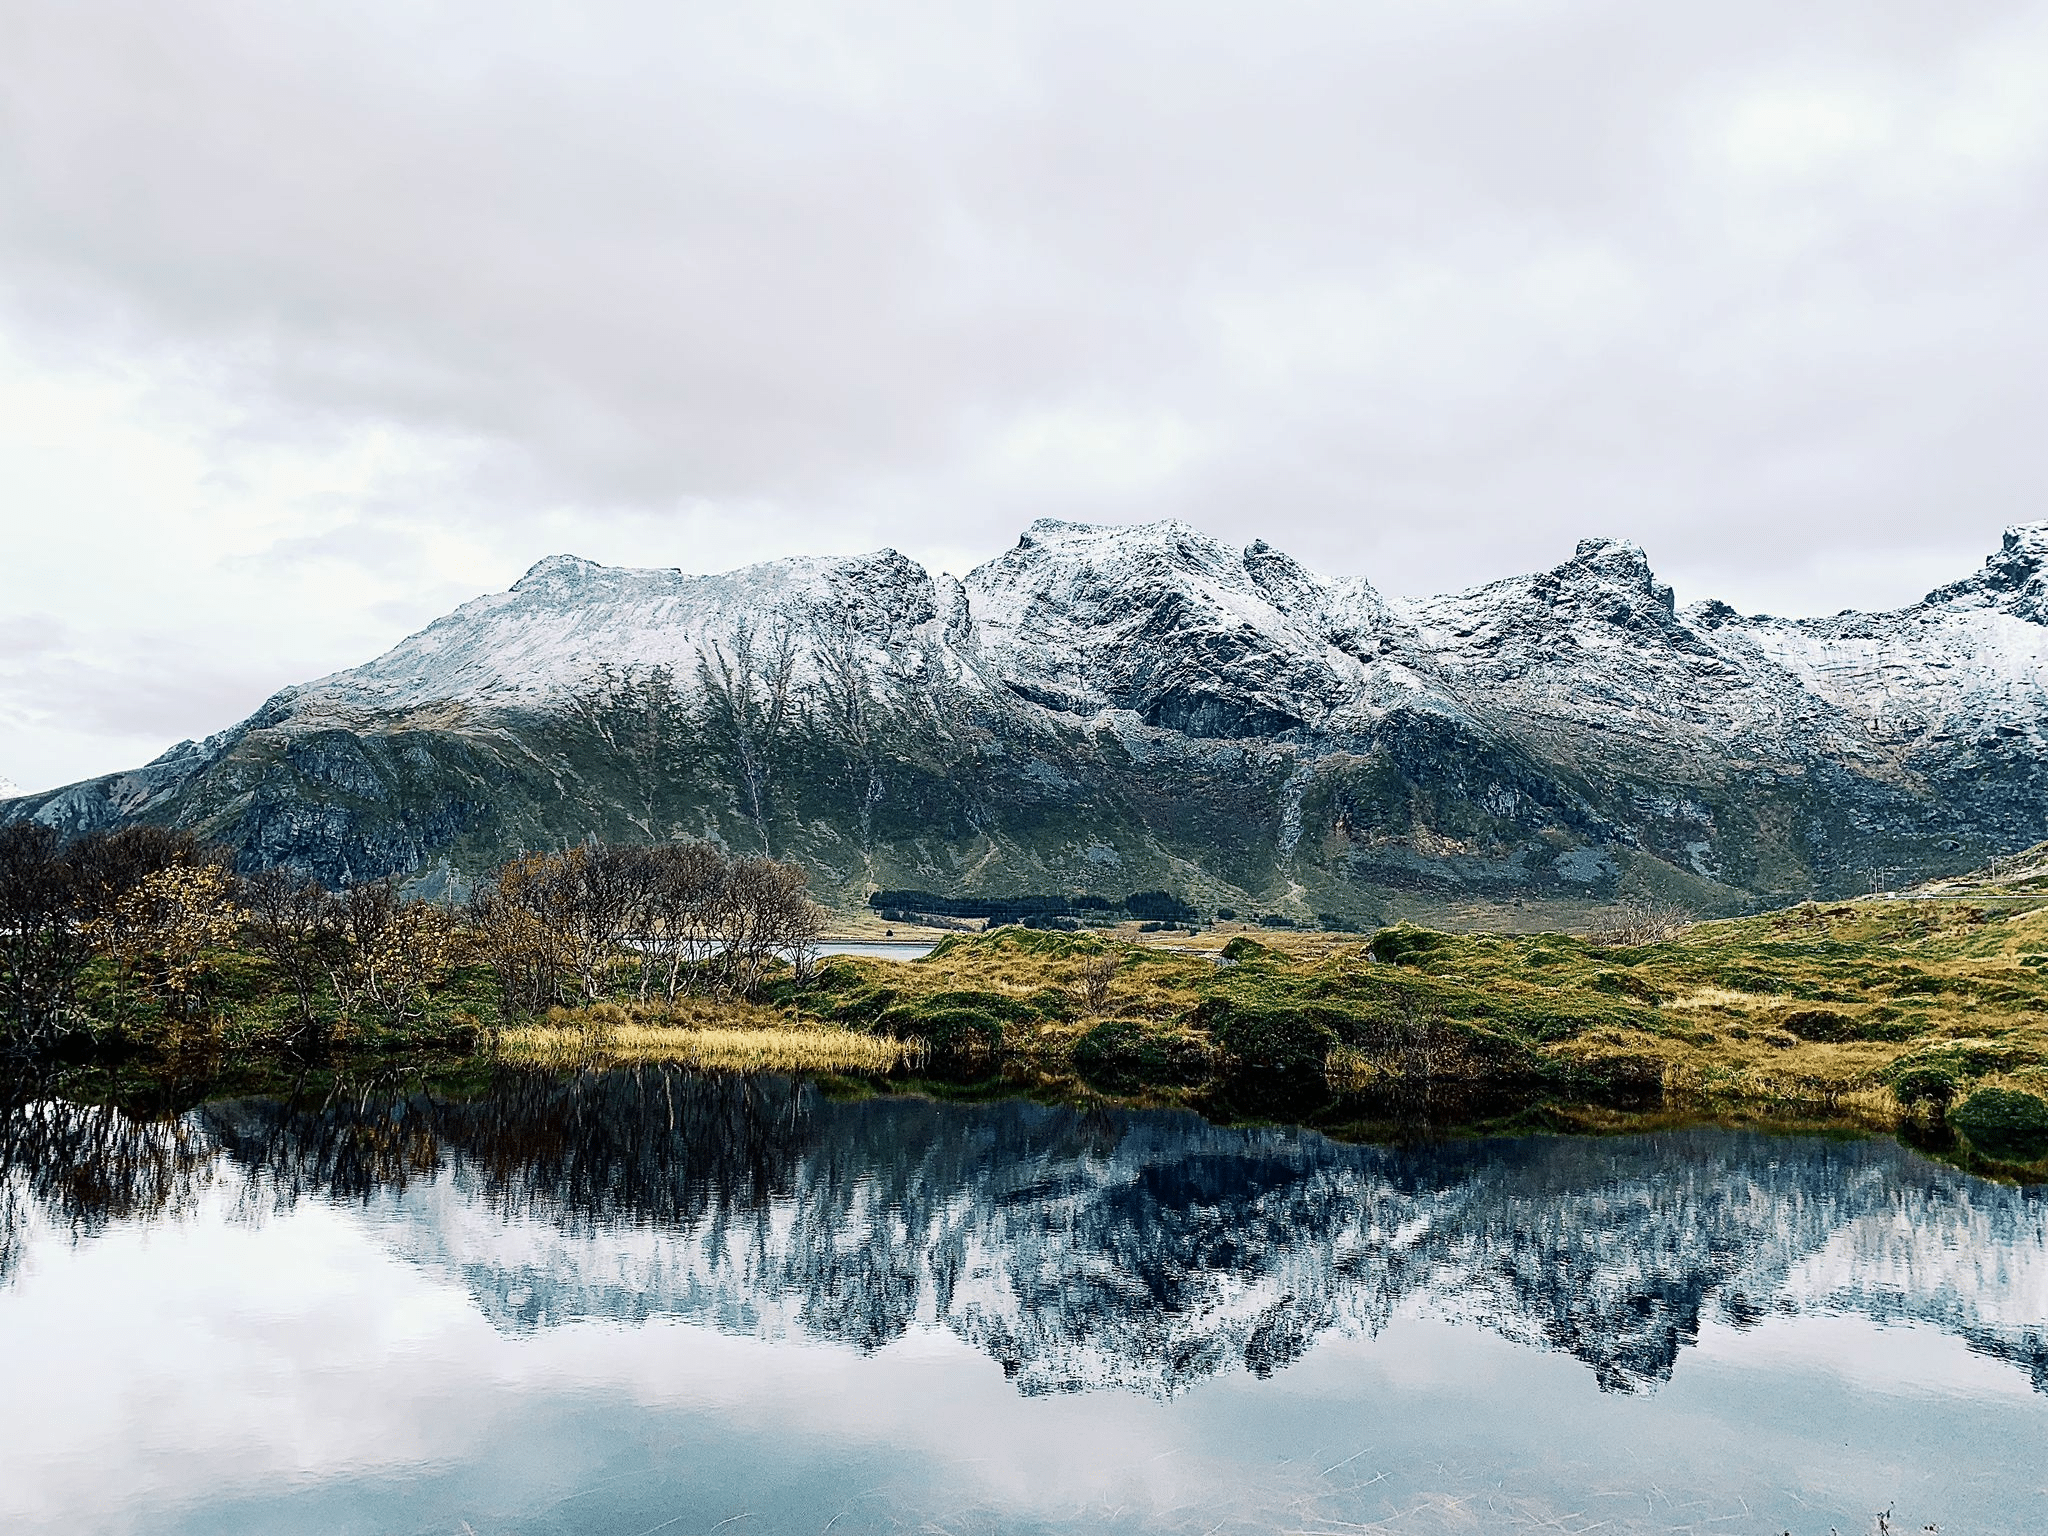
317	319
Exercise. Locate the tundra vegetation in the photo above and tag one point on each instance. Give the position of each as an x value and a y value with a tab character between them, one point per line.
141	949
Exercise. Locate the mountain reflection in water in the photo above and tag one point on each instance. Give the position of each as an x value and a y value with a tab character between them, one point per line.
1080	1250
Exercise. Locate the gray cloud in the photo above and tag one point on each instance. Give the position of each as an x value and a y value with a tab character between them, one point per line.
1421	291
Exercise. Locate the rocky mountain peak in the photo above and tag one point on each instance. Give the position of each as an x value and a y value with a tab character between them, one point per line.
2014	579
1285	581
1264	726
1621	568
557	575
1160	619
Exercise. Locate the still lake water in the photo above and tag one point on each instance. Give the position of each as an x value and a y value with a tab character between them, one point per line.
659	1302
876	949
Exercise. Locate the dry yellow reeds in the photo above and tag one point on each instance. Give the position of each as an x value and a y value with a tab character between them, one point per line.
736	1048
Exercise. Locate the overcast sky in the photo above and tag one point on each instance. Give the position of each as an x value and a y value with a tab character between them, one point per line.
316	319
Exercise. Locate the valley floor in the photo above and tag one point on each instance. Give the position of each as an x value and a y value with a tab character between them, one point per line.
1924	1016
1929	1015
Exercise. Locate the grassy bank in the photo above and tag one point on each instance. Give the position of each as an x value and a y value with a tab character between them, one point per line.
1925	1015
1866	1012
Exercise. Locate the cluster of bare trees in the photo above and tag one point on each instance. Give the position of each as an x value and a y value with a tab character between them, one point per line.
164	910
652	922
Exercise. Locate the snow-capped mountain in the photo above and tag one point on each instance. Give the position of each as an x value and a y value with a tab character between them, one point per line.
1122	708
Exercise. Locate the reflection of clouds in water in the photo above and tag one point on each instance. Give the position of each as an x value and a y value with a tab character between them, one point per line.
403	1309
1144	1251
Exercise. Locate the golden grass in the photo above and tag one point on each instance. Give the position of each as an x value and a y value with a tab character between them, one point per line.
731	1037
735	1050
1721	998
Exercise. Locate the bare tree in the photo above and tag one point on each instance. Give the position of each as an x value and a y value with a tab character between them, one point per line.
43	948
1638	916
109	865
684	897
167	933
510	923
296	925
391	953
1098	973
767	909
598	920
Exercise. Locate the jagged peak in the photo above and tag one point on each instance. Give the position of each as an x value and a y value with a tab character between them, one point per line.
556	571
1619	560
1166	535
2014	578
1615	563
1286	582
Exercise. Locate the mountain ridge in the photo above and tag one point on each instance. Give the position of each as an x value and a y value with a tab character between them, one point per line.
1149	705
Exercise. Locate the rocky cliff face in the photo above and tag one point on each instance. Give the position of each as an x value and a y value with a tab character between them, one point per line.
1116	709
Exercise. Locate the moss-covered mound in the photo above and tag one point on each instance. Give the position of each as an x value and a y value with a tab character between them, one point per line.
2005	1123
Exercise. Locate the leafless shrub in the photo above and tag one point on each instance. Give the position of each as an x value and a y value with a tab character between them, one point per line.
767	909
1637	917
296	925
109	865
583	925
1097	974
167	932
683	899
43	948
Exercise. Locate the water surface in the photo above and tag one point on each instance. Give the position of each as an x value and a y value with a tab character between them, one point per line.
877	949
654	1301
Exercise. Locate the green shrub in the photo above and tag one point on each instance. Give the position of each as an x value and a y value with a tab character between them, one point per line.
955	1023
1241	949
1745	979
1404	945
1908	982
1287	1041
1622	984
1820	1024
1933	1086
1124	1054
2005	1123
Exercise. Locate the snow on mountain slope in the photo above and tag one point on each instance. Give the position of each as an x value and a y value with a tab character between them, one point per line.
1595	652
1164	621
1968	661
1195	637
568	619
